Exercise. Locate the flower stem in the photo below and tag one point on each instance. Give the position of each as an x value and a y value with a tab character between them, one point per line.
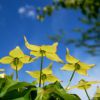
16	73
71	78
43	82
41	69
87	94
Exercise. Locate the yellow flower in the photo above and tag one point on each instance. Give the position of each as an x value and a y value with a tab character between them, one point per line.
47	75
2	75
84	84
97	94
75	64
17	58
45	50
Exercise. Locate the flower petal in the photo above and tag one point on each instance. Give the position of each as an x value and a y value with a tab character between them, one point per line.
93	82
51	78
2	75
50	48
84	84
30	46
69	67
19	66
97	94
34	74
72	87
6	60
54	57
82	72
37	54
85	66
48	70
27	59
17	52
69	58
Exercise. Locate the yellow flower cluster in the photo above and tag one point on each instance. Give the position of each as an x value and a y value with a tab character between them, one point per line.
17	59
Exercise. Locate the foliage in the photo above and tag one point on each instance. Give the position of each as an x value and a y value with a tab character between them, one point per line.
15	90
55	91
91	11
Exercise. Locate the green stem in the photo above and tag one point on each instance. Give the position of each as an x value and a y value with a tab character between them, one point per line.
43	82
87	94
16	73
71	78
41	69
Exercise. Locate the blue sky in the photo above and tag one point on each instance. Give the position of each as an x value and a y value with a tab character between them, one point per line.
17	18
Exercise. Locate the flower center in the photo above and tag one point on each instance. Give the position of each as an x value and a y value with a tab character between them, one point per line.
44	76
16	61
42	51
77	66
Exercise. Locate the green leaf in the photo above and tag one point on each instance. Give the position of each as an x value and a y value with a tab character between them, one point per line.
25	94
10	89
54	91
5	84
